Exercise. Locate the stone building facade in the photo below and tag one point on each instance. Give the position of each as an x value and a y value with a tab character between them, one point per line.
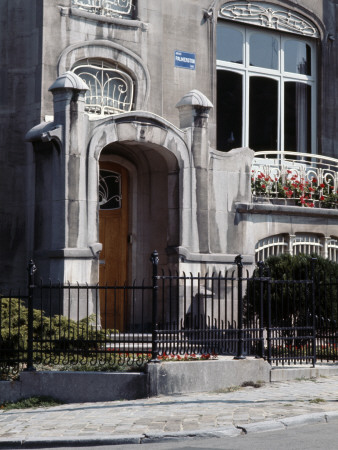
129	126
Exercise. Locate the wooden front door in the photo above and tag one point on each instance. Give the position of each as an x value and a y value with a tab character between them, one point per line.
113	234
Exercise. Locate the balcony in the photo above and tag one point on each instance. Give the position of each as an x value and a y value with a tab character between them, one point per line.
293	178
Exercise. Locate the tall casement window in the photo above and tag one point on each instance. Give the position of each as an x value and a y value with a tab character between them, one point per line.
111	90
266	86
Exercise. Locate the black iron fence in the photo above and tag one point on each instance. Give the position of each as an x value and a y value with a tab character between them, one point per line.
179	316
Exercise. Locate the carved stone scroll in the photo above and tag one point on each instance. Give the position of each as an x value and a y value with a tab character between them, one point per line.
269	16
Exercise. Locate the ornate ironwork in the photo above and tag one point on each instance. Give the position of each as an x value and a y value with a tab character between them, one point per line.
108	8
110	190
317	174
269	16
110	90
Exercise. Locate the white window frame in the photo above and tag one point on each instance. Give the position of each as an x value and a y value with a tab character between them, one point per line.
305	243
280	75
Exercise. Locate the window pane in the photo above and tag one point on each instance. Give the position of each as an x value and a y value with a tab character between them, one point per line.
297	119
229	44
297	57
229	110
109	190
263	51
263	113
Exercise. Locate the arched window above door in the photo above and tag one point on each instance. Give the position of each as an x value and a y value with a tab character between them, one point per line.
111	89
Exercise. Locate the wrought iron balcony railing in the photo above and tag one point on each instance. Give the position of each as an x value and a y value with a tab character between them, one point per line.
310	180
108	8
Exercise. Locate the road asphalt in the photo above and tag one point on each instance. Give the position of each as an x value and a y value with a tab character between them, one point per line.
273	406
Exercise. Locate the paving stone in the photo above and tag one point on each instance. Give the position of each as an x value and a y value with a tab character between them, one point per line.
189	413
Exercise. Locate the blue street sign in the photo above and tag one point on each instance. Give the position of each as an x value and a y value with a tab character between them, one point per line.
185	60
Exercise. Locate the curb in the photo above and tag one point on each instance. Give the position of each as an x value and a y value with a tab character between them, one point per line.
231	431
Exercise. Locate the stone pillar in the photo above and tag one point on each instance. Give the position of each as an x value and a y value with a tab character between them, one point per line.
62	250
194	110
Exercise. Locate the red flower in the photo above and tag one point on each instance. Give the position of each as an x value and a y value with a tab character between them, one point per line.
314	180
263	186
322	185
321	198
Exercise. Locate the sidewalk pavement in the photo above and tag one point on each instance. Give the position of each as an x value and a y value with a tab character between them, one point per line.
273	406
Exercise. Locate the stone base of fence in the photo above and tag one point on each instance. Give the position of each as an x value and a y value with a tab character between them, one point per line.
166	378
76	387
205	376
288	373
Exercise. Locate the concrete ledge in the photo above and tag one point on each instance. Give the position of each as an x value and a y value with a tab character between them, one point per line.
298	372
76	387
10	391
268	208
168	378
163	378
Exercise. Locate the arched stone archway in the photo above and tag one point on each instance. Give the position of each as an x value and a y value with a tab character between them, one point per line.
156	158
152	200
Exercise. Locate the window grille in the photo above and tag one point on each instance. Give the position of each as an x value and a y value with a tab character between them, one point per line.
110	196
108	8
110	89
307	245
270	246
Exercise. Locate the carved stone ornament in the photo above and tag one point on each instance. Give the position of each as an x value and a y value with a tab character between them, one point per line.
269	16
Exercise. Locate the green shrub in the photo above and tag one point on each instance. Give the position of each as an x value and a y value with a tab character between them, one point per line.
291	301
55	339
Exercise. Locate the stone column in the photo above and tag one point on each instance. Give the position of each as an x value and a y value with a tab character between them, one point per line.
62	250
194	110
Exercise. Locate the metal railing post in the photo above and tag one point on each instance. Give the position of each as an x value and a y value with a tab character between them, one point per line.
261	308
269	322
154	337
314	329
31	270
238	262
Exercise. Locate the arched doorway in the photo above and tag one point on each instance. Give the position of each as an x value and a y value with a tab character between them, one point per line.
113	234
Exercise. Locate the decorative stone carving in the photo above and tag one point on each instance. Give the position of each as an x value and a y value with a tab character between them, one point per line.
269	16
